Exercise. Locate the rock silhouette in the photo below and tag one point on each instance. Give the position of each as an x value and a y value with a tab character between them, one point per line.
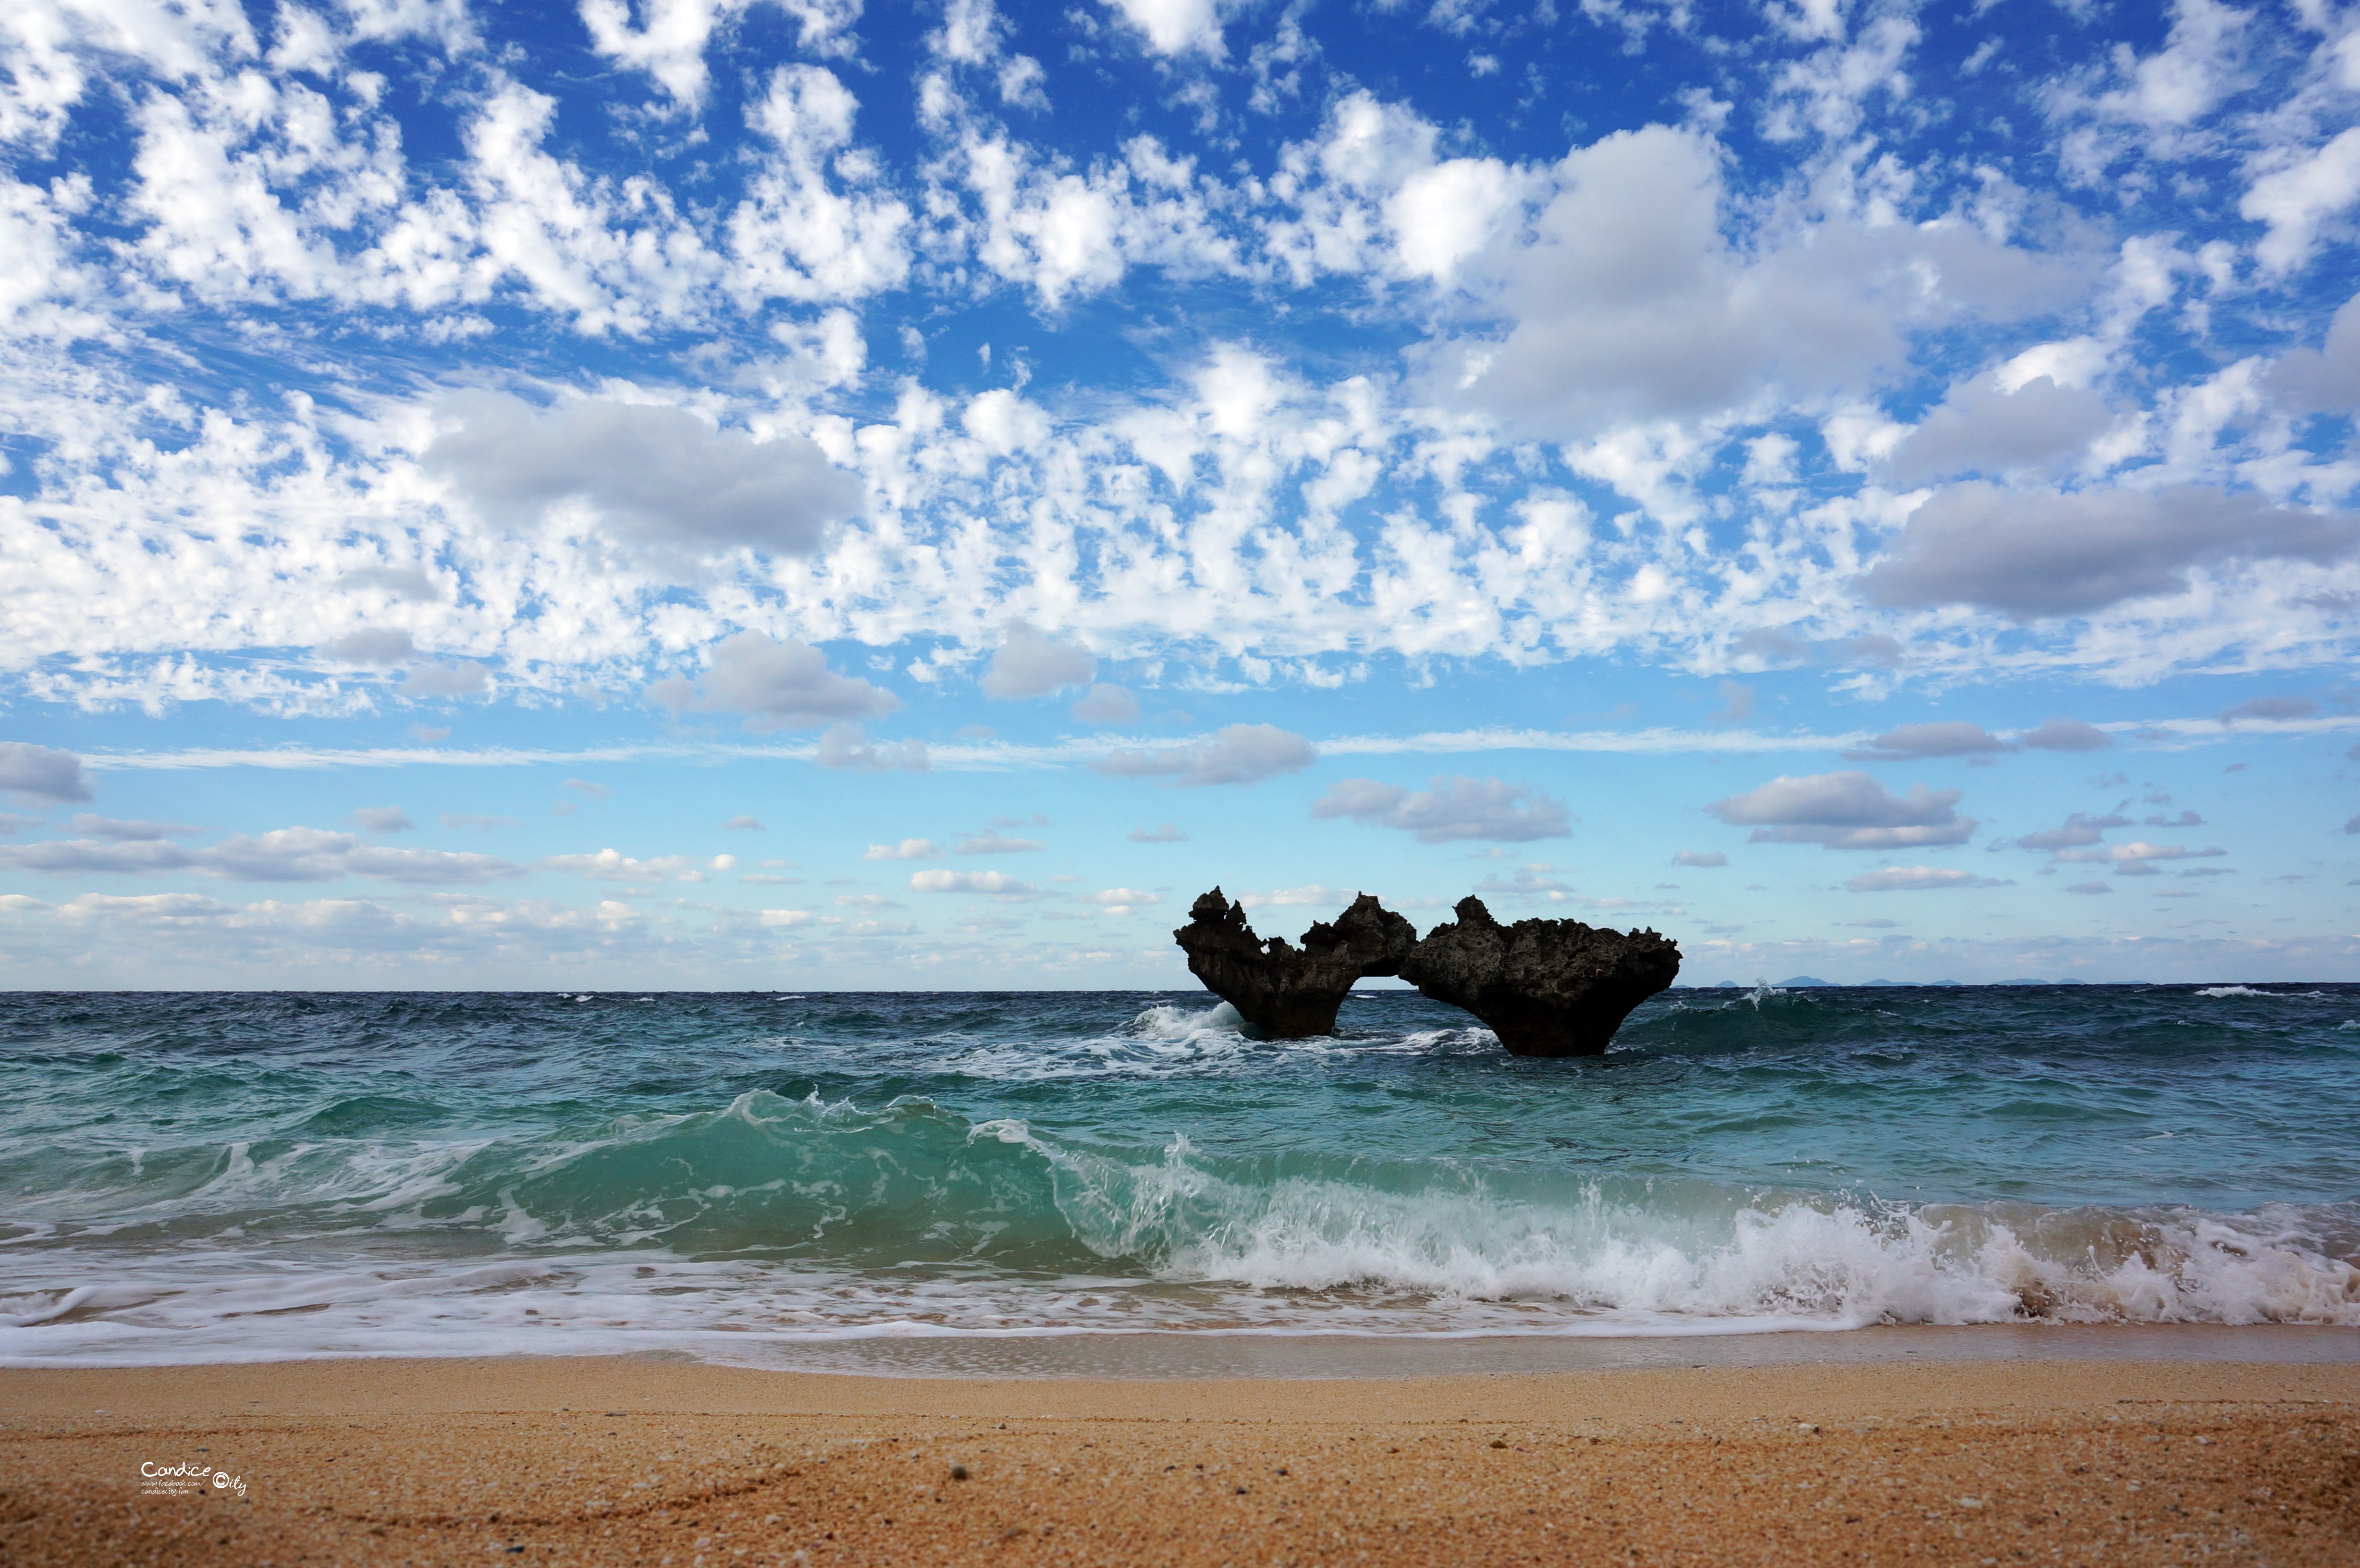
1291	993
1545	987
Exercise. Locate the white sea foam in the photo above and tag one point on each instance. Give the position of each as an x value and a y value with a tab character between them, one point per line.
1302	1257
2231	991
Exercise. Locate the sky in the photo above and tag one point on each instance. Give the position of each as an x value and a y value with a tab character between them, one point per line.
872	494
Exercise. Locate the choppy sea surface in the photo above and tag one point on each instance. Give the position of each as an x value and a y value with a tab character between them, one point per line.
747	1177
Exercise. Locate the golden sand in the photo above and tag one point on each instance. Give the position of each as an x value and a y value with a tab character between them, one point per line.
604	1460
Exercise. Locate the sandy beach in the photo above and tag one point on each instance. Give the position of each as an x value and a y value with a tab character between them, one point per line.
643	1460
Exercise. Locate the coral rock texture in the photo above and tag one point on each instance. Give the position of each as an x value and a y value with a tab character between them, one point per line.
1286	992
1545	987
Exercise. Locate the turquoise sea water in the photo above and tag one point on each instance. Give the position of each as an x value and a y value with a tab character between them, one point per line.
227	1176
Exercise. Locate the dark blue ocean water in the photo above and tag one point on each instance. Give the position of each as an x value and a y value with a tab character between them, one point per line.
239	1176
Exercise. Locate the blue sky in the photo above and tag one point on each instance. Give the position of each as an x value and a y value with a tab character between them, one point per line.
692	492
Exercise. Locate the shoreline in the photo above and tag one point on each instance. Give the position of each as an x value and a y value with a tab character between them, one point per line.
599	1460
1169	1356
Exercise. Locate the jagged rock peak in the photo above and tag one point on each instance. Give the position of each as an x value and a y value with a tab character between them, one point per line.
1286	992
1545	987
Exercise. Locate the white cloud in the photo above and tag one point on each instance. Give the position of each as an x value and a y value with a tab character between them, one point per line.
2296	200
908	849
778	685
1027	664
1238	753
1310	896
1175	27
1846	811
382	819
1166	833
1701	858
614	865
668	44
1457	810
816	224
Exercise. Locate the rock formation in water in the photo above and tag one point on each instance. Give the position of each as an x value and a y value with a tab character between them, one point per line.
1286	992
1545	987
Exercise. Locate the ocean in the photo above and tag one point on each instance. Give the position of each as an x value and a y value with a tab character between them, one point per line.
763	1179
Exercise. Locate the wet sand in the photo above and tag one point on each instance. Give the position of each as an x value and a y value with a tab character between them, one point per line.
645	1460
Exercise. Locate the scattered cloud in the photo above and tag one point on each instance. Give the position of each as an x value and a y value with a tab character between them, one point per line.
908	849
460	820
1106	705
1310	896
1949	737
2136	858
382	820
2041	553
1238	754
284	855
40	775
2271	709
742	824
90	825
466	679
385	645
1919	879
849	747
613	865
650	476
2065	734
1700	857
1027	664
1456	809
997	882
997	843
1846	811
1165	833
2088	887
2079	829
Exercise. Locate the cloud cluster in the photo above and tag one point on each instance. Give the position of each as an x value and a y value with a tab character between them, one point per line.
648	475
284	855
777	685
